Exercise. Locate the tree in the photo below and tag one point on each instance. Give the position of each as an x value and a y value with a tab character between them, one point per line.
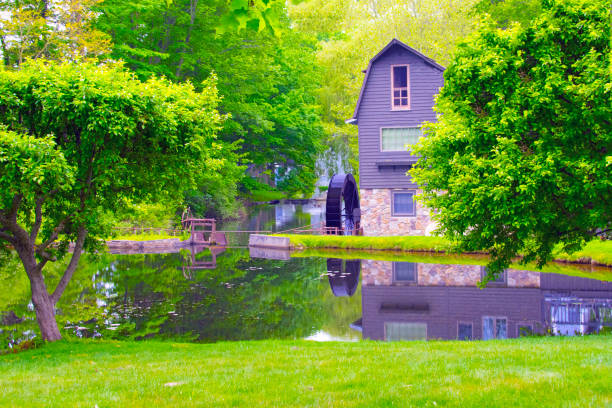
505	12
59	30
267	78
82	140
517	162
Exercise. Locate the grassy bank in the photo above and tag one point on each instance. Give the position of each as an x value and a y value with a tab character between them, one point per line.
533	372
596	251
580	270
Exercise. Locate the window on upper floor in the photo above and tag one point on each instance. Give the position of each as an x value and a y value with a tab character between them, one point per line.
399	139
400	87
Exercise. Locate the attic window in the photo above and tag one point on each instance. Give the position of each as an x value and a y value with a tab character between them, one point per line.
400	87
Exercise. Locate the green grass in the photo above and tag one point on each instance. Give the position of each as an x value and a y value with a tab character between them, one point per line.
143	237
596	251
266	195
532	372
418	243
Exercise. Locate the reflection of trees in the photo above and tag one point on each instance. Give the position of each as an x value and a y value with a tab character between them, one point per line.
240	299
142	296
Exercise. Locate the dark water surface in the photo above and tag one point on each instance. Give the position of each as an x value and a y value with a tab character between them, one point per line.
231	296
209	295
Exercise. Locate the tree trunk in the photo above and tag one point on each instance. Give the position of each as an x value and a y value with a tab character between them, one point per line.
45	314
44	306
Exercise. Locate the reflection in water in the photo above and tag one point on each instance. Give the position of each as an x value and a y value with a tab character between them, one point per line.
407	301
343	276
207	295
275	218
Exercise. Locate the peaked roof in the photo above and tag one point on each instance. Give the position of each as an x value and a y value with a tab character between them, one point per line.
393	42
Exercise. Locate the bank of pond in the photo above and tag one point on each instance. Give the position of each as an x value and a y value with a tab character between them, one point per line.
203	295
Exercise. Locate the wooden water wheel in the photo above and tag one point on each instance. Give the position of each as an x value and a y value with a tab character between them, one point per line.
342	209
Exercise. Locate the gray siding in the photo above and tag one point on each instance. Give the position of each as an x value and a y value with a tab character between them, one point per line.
448	306
375	112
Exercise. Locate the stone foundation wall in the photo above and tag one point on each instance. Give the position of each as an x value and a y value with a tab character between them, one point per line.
376	218
380	273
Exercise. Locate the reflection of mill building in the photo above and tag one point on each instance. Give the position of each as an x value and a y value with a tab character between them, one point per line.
403	300
397	95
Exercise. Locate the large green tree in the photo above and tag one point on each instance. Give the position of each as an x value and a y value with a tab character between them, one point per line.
518	161
82	140
267	78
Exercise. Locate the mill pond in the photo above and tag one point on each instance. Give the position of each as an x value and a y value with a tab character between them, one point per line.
206	295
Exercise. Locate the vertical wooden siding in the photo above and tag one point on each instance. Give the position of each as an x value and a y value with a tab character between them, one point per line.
375	112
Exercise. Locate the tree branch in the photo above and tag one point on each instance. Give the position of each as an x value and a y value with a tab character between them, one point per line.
54	235
37	219
74	261
38	215
7	237
12	215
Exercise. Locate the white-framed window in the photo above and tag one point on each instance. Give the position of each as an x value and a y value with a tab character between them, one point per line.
404	272
403	203
396	331
399	139
400	87
494	327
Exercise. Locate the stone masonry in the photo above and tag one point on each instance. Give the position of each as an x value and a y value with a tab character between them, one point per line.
376	218
380	273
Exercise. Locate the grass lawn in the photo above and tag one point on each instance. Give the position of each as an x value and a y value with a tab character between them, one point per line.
266	195
589	271
532	372
596	250
144	237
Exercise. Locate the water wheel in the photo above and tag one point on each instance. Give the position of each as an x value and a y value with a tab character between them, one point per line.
343	275
342	210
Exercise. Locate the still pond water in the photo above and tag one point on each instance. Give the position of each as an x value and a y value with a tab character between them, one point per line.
231	294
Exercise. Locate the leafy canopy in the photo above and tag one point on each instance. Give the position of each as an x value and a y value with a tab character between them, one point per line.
268	82
93	137
517	161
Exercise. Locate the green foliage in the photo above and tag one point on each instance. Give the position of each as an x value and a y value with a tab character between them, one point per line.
126	140
506	12
517	161
59	30
31	168
267	82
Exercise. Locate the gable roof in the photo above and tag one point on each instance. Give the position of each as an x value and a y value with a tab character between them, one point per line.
393	42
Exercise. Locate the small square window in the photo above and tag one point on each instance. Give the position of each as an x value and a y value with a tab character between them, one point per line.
525	330
403	203
465	331
499	280
404	272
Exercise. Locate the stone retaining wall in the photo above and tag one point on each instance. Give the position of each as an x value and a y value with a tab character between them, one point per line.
376	218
